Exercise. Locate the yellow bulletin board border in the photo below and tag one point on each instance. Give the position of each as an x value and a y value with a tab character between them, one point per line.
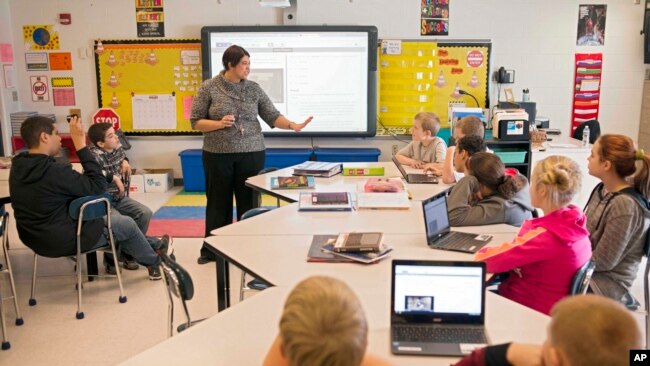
146	67
421	78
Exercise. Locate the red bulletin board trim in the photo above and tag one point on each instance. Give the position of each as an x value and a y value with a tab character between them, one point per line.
586	88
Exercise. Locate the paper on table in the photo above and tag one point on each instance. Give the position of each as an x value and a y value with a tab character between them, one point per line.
399	200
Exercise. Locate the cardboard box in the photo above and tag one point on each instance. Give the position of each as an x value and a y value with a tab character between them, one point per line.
137	183
158	180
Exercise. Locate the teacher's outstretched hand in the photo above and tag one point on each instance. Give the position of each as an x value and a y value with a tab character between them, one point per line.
299	126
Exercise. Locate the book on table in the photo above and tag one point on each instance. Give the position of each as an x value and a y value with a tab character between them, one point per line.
324	201
358	242
321	250
293	182
388	201
317	169
360	257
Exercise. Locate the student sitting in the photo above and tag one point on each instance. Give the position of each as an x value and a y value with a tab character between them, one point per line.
489	194
322	324
466	126
547	251
41	190
112	158
584	330
465	148
426	149
617	213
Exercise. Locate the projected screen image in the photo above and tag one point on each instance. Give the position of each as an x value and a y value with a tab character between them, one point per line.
322	72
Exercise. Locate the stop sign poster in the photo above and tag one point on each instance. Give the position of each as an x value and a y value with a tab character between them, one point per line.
107	115
40	89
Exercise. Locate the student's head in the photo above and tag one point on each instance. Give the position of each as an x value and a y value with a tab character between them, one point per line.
236	60
616	155
492	176
555	180
323	324
103	136
425	126
590	330
468	126
40	133
466	147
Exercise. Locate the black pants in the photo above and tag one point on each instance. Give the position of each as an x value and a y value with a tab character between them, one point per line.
226	174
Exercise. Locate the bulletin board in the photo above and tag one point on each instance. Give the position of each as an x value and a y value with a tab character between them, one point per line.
152	74
417	76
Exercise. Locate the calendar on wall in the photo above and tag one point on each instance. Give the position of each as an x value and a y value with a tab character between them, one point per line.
154	111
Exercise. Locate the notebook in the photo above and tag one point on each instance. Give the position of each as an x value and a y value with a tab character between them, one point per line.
439	235
414	177
437	307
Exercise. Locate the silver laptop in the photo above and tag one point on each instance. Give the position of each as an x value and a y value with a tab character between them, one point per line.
415	178
437	307
439	235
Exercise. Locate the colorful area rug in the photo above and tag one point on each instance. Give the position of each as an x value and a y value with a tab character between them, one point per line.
183	216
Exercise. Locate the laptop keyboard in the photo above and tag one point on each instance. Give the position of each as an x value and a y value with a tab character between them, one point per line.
458	241
422	178
439	334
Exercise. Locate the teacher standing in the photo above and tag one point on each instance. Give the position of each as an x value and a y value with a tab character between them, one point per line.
225	109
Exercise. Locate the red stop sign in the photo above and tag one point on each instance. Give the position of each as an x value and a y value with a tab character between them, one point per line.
475	58
107	115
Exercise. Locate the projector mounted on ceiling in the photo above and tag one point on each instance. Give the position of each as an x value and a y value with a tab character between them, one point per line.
275	3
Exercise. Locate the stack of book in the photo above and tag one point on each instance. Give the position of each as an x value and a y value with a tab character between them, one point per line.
384	193
17	119
324	201
327	248
294	182
317	169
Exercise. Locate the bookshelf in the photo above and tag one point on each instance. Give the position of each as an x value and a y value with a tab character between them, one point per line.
515	154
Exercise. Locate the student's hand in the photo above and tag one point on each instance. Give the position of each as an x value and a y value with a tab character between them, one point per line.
417	164
120	186
125	169
77	133
433	168
226	121
524	354
297	127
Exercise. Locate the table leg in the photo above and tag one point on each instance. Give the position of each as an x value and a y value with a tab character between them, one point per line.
223	283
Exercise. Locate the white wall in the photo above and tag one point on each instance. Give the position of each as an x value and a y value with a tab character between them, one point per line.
534	37
7	103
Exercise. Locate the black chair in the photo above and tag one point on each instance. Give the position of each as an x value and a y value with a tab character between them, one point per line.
255	284
580	281
632	303
258	195
87	209
594	130
4	231
179	284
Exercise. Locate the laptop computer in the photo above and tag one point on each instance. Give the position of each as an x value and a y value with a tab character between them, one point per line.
439	235
415	178
437	307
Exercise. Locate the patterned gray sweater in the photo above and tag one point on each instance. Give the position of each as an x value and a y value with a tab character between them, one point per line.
218	97
616	223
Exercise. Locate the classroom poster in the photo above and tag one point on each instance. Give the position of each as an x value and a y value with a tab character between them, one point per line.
586	91
40	37
591	25
434	17
150	18
60	61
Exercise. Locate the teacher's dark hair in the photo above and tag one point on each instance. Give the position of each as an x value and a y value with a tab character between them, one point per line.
232	55
32	127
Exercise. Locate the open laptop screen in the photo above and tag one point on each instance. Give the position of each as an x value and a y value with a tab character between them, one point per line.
436	218
445	292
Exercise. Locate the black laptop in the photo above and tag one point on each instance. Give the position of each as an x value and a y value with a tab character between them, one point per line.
415	178
437	307
439	235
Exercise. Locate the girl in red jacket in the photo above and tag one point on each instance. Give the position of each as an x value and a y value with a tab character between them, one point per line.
547	251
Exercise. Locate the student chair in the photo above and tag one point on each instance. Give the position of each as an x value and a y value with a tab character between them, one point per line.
179	284
4	231
580	281
86	209
255	284
632	303
258	195
594	130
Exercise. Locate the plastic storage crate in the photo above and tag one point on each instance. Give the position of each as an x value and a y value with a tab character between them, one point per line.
511	156
285	157
193	173
345	155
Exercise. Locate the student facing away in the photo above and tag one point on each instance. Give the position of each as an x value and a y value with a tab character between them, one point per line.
546	253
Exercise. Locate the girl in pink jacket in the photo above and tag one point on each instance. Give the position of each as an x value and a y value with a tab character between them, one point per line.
547	251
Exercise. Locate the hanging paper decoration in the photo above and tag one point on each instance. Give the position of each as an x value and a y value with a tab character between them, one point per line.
586	95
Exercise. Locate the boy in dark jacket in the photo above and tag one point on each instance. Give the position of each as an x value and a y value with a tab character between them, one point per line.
42	189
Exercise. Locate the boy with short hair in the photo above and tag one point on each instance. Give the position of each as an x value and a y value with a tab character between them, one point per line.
584	330
115	166
466	126
426	149
466	147
322	324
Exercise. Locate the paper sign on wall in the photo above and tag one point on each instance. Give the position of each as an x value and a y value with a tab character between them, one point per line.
40	89
60	61
36	61
40	37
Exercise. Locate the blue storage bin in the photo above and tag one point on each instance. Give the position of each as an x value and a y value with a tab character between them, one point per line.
345	155
285	157
193	173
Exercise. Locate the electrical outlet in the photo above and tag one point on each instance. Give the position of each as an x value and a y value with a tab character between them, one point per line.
394	149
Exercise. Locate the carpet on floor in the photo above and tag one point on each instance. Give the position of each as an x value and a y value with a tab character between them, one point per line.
183	216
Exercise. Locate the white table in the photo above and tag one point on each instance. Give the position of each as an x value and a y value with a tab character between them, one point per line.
341	183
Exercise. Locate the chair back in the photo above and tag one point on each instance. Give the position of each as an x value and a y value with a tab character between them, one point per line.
594	130
90	207
179	282
254	212
580	281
